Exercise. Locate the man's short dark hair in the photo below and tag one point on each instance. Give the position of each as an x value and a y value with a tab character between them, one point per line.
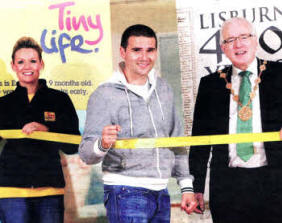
137	30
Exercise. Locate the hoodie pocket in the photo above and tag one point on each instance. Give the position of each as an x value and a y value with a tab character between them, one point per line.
140	159
114	161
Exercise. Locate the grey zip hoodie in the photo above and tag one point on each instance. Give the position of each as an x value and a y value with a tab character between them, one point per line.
112	103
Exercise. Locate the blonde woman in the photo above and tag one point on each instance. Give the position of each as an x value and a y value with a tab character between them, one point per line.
31	178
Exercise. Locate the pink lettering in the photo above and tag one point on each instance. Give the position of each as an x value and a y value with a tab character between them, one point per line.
61	7
69	22
98	26
82	21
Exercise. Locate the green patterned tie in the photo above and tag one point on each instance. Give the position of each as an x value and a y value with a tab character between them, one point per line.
245	150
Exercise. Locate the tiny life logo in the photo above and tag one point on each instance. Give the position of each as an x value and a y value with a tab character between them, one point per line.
57	41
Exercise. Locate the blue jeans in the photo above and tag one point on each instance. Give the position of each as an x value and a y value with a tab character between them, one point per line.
49	209
126	204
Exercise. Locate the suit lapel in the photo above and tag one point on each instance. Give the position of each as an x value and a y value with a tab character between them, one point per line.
220	152
263	95
226	99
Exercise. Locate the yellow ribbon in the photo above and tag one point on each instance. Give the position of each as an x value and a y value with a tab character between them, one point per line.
9	192
48	136
197	140
151	142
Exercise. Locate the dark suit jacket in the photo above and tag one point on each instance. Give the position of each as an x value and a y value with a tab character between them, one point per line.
211	117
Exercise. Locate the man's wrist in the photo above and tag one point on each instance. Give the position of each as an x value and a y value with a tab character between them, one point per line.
187	190
186	185
100	147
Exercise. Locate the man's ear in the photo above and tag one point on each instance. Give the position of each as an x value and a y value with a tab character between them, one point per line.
222	46
122	52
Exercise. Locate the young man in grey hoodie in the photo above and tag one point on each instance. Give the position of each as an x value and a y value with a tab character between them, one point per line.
136	103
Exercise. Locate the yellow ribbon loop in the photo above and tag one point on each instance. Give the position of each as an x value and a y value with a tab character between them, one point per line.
150	142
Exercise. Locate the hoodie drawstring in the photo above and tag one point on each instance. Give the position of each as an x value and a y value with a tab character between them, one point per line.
159	104
130	112
130	109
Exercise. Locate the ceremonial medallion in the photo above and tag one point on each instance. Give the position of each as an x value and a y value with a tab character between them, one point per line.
245	113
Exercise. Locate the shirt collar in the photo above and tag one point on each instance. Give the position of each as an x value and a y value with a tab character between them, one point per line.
152	76
252	68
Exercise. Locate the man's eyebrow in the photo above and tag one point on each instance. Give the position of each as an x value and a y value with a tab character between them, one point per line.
136	48
140	48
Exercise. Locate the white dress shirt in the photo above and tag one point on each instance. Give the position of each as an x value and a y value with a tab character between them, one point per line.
259	157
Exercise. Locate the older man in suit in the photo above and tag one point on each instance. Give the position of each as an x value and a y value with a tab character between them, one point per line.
245	179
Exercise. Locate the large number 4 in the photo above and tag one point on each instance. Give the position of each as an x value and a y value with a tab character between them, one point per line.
215	37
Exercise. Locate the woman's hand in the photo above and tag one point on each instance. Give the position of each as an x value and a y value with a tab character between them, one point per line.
34	126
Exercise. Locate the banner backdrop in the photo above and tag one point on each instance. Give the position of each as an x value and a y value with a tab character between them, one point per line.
75	39
199	26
